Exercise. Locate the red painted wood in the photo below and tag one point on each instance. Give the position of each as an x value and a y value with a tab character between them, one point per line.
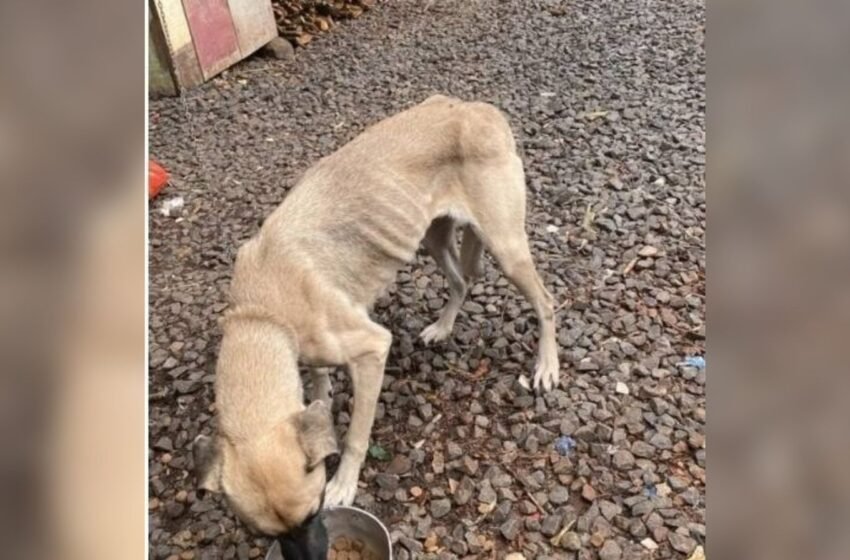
213	34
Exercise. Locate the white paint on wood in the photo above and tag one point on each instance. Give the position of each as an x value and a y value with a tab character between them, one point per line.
254	22
175	25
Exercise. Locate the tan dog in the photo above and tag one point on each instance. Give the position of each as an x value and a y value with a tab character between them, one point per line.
303	287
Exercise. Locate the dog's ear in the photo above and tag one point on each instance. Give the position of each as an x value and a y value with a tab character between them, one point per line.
316	433
206	454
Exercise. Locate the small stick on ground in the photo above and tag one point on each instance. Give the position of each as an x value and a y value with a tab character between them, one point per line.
556	540
525	489
630	266
565	303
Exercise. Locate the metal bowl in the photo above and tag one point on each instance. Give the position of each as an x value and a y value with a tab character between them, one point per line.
353	523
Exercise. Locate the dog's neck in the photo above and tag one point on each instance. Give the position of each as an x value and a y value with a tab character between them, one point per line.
257	382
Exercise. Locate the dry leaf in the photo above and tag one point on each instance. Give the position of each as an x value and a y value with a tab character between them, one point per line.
482	369
303	39
438	464
300	20
431	542
484	509
648	251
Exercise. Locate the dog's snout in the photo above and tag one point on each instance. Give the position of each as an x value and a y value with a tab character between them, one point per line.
308	541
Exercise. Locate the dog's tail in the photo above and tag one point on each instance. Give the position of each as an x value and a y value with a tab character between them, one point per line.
471	249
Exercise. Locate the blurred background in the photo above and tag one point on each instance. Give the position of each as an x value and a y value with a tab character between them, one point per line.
778	291
72	219
72	279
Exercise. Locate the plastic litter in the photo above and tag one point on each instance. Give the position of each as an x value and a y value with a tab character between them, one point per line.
157	178
697	362
172	206
564	445
524	382
651	491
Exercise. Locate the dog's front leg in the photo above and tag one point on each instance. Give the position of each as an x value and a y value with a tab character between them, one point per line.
367	372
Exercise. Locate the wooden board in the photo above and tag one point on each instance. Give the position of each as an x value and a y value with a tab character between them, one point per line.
172	21
177	28
213	34
204	37
254	22
160	81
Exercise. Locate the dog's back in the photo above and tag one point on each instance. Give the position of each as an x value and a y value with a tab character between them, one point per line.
367	206
437	132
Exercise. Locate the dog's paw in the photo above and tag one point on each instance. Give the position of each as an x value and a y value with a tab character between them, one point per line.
340	491
435	333
547	375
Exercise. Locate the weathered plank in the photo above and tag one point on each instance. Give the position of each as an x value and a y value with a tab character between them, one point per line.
254	22
160	81
213	34
172	20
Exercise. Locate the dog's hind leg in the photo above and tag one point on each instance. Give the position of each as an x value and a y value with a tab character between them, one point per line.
440	243
321	384
499	190
471	250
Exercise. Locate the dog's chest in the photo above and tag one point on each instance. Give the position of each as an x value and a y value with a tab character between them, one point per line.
365	249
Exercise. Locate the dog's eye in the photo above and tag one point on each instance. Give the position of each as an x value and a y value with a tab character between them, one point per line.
331	463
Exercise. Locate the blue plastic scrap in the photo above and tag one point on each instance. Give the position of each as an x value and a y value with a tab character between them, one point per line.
564	445
697	362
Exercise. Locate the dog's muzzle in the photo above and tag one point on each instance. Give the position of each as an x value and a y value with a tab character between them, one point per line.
308	541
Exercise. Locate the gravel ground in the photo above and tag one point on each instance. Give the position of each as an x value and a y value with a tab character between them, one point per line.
607	100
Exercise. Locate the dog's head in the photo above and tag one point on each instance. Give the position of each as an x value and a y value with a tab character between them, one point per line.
275	482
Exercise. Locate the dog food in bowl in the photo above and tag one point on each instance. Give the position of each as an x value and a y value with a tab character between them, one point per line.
353	534
344	548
